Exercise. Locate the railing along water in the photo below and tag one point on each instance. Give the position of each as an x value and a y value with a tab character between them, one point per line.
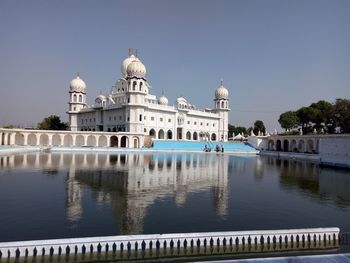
188	244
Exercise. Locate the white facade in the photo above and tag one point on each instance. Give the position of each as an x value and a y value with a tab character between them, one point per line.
131	108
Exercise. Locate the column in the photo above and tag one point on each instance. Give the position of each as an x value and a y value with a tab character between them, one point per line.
50	139
25	139
11	139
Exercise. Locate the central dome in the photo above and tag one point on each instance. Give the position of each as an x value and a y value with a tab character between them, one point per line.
136	69
126	63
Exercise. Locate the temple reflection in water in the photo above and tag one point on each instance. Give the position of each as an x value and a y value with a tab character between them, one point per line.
131	182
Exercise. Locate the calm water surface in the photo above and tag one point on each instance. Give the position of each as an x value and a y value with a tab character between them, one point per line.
76	195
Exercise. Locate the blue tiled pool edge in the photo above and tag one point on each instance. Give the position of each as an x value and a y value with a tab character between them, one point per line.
199	146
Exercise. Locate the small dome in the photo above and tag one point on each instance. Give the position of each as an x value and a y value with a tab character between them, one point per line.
126	63
77	85
101	97
221	92
136	69
181	100
163	100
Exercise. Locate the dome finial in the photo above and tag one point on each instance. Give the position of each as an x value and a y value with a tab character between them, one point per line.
221	81
132	51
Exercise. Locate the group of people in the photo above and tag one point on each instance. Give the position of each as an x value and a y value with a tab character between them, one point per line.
217	148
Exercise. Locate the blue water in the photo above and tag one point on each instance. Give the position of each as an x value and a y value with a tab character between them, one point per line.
59	195
199	146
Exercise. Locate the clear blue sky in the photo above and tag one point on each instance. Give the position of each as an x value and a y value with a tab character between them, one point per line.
274	55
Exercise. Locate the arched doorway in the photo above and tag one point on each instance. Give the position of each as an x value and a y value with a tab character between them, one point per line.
44	139
124	142
213	137
56	140
195	136
301	146
91	140
152	133
68	140
169	135
19	139
79	140
114	141
102	141
271	145
161	134
310	146
135	142
278	145
293	146
188	135
286	145
179	133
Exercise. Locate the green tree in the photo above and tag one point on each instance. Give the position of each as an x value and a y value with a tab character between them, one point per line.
52	122
241	130
307	116
341	114
289	120
8	126
230	130
259	126
235	130
323	116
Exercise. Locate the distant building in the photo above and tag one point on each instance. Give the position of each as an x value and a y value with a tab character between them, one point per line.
131	108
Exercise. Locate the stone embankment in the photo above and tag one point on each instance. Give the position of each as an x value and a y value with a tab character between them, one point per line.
331	150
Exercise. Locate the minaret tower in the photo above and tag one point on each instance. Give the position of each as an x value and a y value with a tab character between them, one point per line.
134	72
77	101
221	102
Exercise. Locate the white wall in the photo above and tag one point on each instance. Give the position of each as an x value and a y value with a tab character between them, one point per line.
335	150
258	142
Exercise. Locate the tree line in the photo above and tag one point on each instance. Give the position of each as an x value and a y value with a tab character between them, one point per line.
52	122
258	126
321	116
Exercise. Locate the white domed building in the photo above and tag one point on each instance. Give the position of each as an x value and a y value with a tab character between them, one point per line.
131	109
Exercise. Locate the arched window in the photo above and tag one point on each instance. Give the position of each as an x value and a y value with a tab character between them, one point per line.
80	98
169	135
140	86
152	133
161	134
75	98
222	104
188	136
134	85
